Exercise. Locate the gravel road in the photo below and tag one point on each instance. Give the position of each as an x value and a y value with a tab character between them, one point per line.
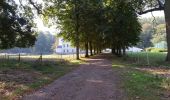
95	80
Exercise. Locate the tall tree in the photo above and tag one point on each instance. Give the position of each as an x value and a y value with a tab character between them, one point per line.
15	26
157	5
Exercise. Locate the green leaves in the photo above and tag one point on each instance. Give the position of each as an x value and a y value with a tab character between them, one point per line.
15	28
102	23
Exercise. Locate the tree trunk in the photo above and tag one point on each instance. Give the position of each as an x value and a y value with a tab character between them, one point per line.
113	50
87	49
91	49
100	50
97	50
124	51
94	50
77	31
77	49
167	20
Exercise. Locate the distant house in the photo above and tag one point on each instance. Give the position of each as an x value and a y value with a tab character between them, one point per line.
134	49
65	47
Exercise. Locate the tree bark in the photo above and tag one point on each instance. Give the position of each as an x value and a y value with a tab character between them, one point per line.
91	48
167	20
94	50
86	47
124	51
113	50
77	31
97	50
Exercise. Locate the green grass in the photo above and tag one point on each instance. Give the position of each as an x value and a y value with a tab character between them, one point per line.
147	59
19	78
142	85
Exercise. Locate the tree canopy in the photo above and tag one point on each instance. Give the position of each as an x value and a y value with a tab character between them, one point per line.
96	24
15	28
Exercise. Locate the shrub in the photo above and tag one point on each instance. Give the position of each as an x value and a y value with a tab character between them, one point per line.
152	49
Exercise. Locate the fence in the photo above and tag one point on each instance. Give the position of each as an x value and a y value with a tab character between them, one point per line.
41	57
147	58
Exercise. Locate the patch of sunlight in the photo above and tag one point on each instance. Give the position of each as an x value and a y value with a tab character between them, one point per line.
77	61
94	81
156	71
118	65
166	83
46	78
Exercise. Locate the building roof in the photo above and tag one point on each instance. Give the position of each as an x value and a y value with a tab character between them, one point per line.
59	46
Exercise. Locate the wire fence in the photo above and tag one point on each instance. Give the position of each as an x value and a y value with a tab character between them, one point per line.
39	58
147	58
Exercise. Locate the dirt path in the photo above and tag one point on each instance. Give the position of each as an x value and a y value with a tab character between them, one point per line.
95	80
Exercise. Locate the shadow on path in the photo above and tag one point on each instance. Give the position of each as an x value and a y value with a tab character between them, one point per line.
95	80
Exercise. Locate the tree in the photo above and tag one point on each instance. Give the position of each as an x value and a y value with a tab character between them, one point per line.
156	5
15	28
123	28
160	34
44	43
96	24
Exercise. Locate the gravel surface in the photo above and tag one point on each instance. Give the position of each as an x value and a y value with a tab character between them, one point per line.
95	80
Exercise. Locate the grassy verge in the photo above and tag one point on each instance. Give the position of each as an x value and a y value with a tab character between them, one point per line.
19	78
148	59
141	84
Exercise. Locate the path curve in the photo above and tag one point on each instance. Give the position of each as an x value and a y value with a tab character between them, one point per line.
95	80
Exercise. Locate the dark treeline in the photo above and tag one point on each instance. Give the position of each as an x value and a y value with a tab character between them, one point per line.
43	44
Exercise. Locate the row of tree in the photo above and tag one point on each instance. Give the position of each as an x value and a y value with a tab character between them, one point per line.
140	7
97	24
16	20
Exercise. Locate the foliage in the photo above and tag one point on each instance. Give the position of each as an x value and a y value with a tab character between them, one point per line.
160	34
44	44
152	49
97	24
15	28
152	34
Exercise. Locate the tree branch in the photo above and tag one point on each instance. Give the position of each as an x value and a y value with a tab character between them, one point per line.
150	10
161	7
160	3
36	7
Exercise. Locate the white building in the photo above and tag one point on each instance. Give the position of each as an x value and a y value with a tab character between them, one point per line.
65	47
134	49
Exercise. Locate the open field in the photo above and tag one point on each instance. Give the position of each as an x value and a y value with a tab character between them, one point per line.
17	78
143	80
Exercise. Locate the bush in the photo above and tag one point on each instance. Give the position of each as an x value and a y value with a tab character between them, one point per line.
152	49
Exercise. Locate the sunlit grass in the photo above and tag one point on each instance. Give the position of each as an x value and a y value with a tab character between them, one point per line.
18	78
148	58
142	84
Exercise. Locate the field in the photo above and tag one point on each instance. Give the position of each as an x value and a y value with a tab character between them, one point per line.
146	76
31	57
17	78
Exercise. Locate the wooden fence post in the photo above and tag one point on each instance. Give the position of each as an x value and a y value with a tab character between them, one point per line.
8	57
41	57
19	57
